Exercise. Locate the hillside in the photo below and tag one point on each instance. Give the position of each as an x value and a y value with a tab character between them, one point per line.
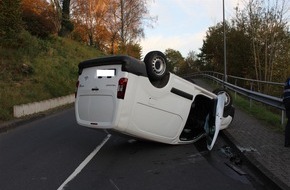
35	69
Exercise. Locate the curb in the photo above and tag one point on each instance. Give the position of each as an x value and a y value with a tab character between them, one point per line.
9	125
256	165
41	106
4	127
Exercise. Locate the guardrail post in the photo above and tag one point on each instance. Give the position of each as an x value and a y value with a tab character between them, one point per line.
215	75
251	98
235	91
283	117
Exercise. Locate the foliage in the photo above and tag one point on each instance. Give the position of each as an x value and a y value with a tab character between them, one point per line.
192	63
66	24
180	65
258	41
38	18
10	21
131	49
38	65
260	111
269	36
238	51
175	59
88	17
110	25
266	114
212	49
39	69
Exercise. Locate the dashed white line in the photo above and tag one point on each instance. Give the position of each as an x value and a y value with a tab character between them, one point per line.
84	163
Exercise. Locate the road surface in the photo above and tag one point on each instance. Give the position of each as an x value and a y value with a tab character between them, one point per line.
55	153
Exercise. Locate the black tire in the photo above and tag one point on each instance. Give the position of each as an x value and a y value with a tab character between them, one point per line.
229	112
229	100
156	65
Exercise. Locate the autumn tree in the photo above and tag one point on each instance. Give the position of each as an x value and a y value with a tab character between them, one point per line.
57	16
89	17
114	26
131	14
125	22
37	17
132	49
111	23
10	19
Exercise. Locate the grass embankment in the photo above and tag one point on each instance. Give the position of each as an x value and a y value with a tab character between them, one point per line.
36	70
260	111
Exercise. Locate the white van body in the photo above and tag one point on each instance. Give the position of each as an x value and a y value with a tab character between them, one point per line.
115	93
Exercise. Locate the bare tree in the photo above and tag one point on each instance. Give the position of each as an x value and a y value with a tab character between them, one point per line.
129	18
66	24
56	4
112	24
265	23
61	18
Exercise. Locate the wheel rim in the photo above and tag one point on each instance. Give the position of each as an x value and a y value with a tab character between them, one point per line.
158	65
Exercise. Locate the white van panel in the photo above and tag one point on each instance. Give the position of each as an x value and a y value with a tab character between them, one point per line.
157	114
155	121
97	101
96	108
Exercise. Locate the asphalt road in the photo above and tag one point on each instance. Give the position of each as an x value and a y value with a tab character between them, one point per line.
55	153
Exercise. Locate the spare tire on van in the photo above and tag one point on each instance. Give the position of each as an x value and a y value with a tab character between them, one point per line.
156	65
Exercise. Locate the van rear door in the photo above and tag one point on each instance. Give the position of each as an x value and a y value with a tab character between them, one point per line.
97	95
101	87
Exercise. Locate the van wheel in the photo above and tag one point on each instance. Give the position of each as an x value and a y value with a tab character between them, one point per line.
229	112
229	99
156	65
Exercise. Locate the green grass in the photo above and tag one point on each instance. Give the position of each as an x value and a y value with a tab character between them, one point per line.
37	69
266	114
260	111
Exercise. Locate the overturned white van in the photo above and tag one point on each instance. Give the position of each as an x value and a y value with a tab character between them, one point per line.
142	99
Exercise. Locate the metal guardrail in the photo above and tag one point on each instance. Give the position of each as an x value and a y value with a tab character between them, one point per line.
212	73
252	95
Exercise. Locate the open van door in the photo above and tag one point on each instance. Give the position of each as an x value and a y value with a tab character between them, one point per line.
212	130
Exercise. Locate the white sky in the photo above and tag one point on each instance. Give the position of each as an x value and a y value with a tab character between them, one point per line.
182	24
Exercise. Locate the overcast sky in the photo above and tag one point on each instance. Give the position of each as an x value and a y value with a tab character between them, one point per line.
182	24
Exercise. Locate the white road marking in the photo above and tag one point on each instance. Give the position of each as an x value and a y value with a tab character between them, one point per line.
84	163
112	182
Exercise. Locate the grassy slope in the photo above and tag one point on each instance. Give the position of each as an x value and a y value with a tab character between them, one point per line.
38	70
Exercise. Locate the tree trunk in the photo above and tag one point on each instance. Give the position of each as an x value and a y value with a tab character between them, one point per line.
66	25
